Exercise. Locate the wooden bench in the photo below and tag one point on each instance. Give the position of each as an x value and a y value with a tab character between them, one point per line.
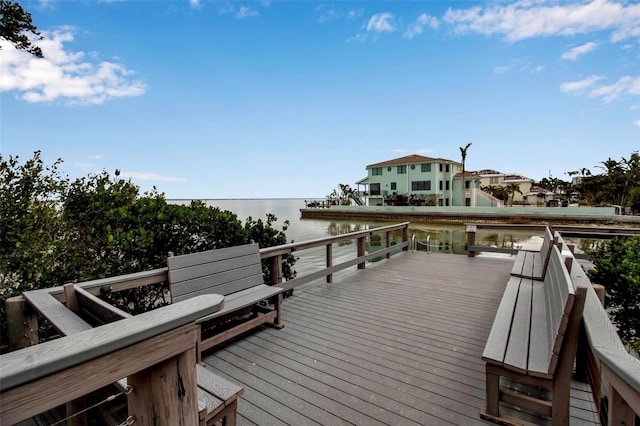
217	397
236	273
533	341
533	264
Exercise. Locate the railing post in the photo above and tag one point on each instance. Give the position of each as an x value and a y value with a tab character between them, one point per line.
329	262
387	237
471	239
166	394
405	236
361	251
276	270
22	323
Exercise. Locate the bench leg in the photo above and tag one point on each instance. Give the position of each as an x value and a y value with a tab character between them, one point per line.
492	393
560	402
277	305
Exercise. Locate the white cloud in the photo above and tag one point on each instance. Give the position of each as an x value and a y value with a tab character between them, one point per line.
573	54
527	18
626	85
194	3
522	64
151	177
575	86
382	22
417	27
246	12
637	123
63	74
330	14
425	151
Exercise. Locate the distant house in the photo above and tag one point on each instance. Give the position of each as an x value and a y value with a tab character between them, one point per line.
419	181
490	178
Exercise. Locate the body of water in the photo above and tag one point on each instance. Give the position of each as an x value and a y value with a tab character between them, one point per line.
443	237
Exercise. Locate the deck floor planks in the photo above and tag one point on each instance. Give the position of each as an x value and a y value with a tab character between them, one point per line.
397	343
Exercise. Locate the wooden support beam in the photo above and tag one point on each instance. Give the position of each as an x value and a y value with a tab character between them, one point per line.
22	323
329	261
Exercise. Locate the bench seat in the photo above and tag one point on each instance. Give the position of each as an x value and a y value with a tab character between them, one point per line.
533	340
236	273
533	264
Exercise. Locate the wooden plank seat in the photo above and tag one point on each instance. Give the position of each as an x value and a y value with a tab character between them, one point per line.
236	273
533	341
217	397
533	264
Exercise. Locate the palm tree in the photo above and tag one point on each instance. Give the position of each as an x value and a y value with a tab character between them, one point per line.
463	153
511	189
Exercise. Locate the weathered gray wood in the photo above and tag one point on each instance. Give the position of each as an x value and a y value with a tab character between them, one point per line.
517	352
47	358
533	264
217	385
97	308
541	342
496	346
397	343
543	336
62	319
243	299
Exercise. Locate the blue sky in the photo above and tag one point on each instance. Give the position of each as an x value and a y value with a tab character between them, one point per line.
231	99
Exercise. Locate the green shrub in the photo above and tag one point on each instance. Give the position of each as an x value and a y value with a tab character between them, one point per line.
617	267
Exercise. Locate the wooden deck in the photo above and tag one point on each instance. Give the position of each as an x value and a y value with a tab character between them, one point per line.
398	343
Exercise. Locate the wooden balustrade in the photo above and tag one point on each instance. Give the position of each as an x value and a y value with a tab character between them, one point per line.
156	350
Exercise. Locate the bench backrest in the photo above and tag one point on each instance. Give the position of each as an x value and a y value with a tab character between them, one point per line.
221	271
545	250
559	299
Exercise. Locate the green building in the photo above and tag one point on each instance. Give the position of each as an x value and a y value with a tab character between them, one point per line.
421	181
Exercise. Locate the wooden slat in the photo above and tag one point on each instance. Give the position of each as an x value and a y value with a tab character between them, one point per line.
541	344
496	346
193	259
517	354
242	299
216	385
64	320
97	308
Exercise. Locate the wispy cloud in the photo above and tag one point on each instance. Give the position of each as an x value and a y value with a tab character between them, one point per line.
576	86
624	86
382	22
63	74
573	54
637	123
331	14
246	12
522	65
527	18
417	27
143	176
194	3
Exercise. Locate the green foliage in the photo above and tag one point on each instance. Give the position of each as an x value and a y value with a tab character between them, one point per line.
617	267
619	184
55	231
14	23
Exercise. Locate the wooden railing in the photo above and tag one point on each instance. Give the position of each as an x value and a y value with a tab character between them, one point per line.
602	360
155	351
23	321
275	253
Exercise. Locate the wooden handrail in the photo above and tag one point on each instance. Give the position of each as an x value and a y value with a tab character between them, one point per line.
36	361
44	376
616	365
276	253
